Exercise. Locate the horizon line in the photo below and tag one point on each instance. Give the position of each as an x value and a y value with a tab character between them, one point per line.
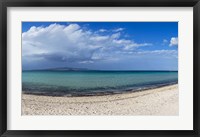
89	70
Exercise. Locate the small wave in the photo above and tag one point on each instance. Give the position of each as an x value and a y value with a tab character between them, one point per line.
39	89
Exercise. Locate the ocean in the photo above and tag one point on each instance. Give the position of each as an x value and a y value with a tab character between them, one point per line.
87	83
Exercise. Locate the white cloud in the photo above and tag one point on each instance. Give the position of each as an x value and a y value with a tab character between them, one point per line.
71	43
99	38
102	30
174	41
130	45
115	35
165	41
163	52
118	29
86	62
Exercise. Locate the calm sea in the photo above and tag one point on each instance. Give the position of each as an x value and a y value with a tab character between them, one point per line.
85	83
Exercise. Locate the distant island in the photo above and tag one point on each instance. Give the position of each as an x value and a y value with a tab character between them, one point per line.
86	69
60	69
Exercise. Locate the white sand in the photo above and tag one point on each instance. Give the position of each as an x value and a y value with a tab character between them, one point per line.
160	101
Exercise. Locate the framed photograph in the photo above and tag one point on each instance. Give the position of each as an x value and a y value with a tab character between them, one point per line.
99	68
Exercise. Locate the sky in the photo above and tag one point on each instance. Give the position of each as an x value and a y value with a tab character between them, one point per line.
100	45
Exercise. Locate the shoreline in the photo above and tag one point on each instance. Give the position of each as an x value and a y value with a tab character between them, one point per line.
87	94
157	101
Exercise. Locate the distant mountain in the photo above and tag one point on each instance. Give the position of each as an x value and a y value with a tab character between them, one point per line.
59	69
67	69
86	69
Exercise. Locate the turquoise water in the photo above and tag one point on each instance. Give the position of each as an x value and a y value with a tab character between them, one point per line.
80	83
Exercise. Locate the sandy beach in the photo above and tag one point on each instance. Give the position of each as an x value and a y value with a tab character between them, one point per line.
159	101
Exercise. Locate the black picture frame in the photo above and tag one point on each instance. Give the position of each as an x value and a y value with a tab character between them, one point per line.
99	3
